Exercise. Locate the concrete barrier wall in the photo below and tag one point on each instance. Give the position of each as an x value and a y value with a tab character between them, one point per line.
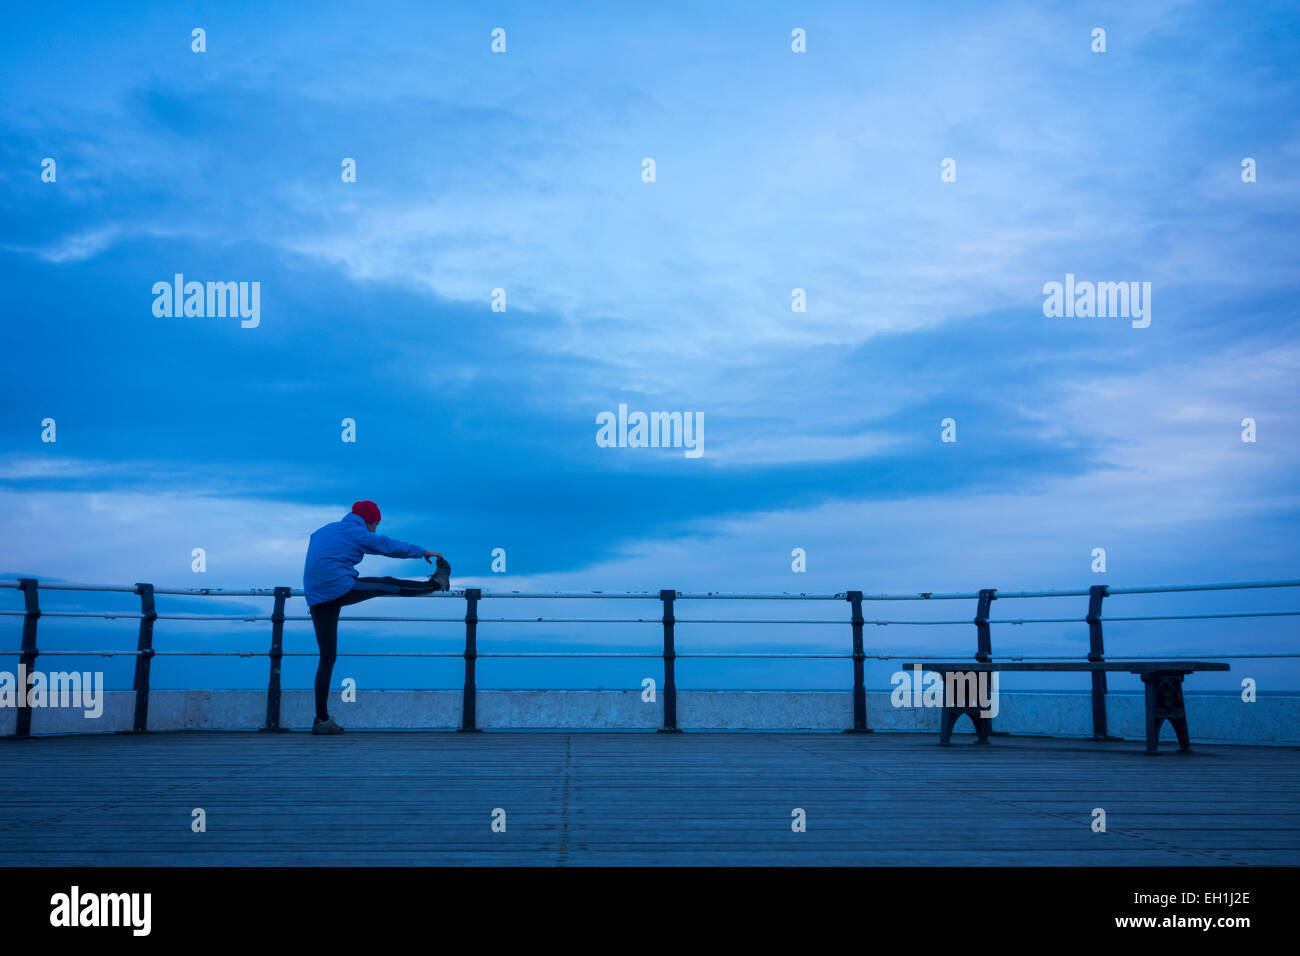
1213	719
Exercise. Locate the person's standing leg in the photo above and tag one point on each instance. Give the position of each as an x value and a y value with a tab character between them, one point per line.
325	619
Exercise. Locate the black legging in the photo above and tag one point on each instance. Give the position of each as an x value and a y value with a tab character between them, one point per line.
325	618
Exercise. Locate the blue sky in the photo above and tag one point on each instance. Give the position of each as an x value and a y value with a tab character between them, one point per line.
774	171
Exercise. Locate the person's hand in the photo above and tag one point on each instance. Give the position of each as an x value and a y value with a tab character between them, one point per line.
429	554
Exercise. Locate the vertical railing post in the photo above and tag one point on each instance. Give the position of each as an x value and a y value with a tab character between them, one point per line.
276	654
143	657
859	677
27	655
670	658
1097	653
469	703
984	641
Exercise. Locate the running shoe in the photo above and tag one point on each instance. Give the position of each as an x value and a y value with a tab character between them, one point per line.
442	576
326	726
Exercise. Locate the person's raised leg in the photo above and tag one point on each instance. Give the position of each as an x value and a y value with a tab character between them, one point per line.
372	588
400	587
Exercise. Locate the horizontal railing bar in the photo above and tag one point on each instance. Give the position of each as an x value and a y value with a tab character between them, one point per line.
1203	587
726	596
1195	617
112	615
650	654
1195	657
221	592
657	654
243	653
112	653
847	657
125	588
104	614
966	595
537	595
294	592
691	595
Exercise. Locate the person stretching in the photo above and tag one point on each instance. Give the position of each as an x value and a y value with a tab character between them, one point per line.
330	582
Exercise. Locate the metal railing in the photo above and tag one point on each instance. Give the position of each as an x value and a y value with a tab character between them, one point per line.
145	652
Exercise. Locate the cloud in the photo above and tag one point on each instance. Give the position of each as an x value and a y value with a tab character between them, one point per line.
774	172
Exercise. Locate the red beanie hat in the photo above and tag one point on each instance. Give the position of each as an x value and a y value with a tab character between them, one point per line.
368	510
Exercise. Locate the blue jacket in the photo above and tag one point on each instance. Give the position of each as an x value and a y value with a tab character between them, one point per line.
337	548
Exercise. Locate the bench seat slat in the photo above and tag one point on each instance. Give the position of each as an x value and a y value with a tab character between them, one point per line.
1134	667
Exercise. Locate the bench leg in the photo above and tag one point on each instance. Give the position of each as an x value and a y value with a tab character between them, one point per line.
946	719
1177	713
949	720
1164	701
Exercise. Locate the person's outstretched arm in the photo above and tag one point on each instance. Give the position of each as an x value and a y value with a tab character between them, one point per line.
392	548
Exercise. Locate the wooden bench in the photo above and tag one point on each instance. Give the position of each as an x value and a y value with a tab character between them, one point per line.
1163	680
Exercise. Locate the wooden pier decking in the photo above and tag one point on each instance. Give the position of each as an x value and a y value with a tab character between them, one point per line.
639	799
